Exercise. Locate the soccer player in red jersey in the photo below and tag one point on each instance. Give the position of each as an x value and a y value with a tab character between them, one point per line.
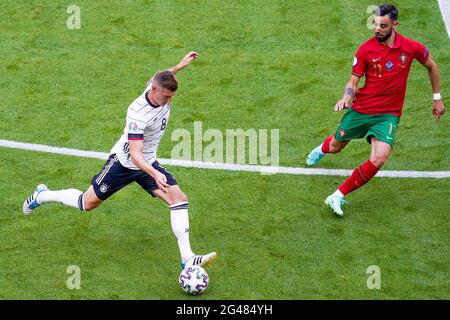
374	110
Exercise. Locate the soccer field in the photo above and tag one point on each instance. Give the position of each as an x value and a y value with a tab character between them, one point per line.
278	65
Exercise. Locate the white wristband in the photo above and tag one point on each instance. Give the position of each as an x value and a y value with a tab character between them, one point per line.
436	96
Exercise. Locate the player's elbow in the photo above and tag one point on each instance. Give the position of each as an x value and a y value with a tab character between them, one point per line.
431	66
135	151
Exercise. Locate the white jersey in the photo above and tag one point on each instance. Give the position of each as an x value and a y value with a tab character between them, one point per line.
144	122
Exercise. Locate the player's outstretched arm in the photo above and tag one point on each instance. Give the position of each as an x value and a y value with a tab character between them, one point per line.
438	108
349	93
187	59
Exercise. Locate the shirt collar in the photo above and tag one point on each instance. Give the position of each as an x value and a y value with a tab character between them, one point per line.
148	100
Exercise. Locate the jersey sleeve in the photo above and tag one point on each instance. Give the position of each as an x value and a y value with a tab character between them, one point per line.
359	63
421	52
135	126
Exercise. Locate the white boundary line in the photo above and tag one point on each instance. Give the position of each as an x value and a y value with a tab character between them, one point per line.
444	5
226	166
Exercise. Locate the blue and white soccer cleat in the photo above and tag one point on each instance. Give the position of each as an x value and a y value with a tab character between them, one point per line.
202	261
31	202
335	202
315	156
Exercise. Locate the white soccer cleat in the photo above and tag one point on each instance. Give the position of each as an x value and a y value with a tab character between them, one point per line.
31	203
335	202
315	156
202	261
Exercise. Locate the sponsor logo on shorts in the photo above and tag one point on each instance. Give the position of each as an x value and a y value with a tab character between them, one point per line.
103	188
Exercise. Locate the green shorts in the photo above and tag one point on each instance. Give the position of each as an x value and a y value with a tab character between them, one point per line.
356	125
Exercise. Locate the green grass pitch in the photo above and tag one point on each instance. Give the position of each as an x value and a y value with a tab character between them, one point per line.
263	65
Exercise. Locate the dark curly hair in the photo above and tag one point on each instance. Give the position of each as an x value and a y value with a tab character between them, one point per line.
385	9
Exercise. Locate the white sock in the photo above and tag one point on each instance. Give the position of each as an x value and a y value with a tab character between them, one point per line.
69	197
179	219
338	193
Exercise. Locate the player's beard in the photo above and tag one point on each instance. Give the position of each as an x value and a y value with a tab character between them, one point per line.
383	38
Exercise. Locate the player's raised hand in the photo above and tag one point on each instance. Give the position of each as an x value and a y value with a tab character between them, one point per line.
187	59
191	56
438	109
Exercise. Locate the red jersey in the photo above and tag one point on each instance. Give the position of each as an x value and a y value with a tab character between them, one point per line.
386	70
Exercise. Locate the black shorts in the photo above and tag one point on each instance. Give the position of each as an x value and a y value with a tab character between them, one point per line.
114	177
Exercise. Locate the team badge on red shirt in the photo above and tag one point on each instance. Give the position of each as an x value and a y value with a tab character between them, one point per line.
403	58
389	66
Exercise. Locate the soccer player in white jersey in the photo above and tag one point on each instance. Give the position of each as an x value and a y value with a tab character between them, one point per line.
133	159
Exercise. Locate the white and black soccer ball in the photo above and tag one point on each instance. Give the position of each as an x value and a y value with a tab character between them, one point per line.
194	280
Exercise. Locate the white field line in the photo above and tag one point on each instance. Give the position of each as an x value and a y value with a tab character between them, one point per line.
444	5
226	166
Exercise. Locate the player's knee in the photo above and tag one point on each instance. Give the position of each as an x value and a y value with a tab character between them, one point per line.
335	148
90	205
182	197
90	200
176	196
378	160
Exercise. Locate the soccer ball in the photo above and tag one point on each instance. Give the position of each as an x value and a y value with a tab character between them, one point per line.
194	280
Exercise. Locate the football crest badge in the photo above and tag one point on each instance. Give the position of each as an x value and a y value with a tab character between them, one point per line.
403	58
132	126
389	66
